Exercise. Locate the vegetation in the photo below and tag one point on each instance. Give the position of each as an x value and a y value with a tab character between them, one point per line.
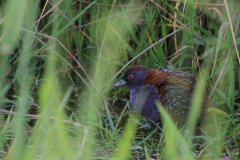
59	59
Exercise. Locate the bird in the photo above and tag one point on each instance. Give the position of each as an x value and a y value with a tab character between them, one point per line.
173	88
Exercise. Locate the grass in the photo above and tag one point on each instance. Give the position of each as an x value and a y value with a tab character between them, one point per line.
59	60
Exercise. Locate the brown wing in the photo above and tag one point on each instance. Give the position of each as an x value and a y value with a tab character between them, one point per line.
175	89
171	80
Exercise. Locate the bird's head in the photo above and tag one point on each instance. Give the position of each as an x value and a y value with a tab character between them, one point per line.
134	77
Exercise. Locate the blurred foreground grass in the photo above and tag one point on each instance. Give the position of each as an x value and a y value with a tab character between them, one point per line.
58	60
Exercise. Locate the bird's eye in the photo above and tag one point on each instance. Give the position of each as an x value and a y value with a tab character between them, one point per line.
130	77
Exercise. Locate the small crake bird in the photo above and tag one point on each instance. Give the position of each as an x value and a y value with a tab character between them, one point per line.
171	87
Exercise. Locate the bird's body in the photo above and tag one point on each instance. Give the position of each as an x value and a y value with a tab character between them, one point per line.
171	87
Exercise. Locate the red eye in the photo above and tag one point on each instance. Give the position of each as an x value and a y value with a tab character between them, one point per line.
130	77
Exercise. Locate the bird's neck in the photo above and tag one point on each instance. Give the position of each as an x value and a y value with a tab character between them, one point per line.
139	96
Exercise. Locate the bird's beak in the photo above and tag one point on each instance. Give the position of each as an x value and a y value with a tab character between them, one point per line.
119	83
